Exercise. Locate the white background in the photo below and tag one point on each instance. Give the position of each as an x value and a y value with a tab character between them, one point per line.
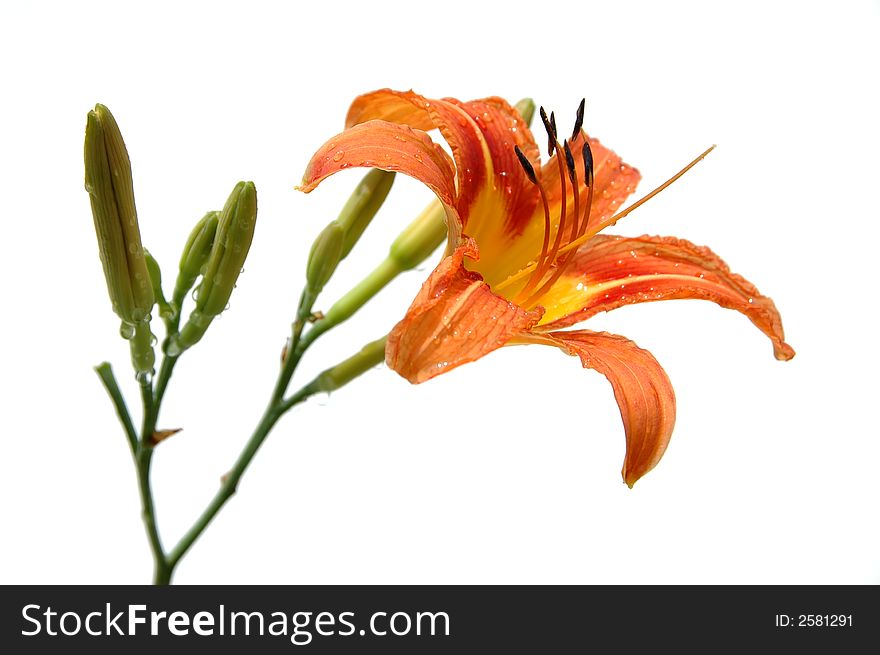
506	470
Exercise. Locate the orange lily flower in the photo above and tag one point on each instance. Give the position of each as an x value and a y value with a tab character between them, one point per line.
525	257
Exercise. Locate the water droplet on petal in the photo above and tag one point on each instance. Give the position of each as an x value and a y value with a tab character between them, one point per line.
339	155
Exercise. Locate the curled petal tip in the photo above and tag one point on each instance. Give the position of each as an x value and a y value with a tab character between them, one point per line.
782	351
631	477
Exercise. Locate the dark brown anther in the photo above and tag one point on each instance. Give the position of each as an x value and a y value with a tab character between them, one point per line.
579	121
526	164
551	137
569	161
588	164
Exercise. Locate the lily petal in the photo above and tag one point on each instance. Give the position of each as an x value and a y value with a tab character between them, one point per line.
481	135
609	272
643	391
391	147
454	319
472	158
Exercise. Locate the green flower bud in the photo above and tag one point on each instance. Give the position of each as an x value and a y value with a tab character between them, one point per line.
420	238
526	109
108	181
324	257
369	356
235	231
165	310
362	206
411	247
232	240
195	255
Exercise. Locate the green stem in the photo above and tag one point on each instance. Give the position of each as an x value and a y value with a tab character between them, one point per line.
105	372
230	481
162	573
330	380
162	379
352	301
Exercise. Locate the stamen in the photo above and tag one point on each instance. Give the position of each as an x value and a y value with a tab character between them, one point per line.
590	181
551	136
560	268
526	164
530	173
569	161
545	261
602	225
579	121
588	163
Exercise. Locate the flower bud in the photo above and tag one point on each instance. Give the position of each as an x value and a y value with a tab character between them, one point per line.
324	257
526	109
235	231
362	206
165	310
420	238
195	254
109	184
232	240
369	356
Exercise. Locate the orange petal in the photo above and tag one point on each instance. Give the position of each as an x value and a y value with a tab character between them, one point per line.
454	319
610	271
391	147
513	196
472	162
641	387
403	107
481	135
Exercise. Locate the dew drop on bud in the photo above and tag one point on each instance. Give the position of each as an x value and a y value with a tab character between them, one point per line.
172	348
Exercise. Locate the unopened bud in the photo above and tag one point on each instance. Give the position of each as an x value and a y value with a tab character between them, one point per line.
420	238
109	183
362	206
526	109
165	310
235	231
195	254
369	356
324	257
